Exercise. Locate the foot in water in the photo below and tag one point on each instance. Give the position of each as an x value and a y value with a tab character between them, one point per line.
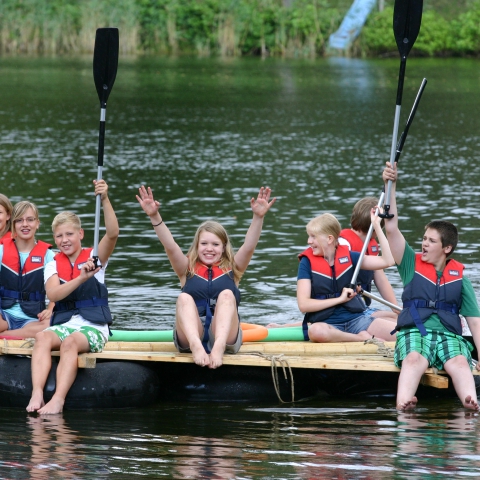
409	405
36	402
53	407
471	404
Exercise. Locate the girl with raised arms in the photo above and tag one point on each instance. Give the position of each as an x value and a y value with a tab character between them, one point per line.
207	322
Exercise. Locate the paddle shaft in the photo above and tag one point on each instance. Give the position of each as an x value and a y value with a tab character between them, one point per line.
101	148
381	300
365	246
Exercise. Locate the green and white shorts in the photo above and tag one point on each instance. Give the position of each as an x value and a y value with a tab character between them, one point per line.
95	338
436	347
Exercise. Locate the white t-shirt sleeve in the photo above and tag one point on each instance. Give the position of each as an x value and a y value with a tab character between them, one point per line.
49	270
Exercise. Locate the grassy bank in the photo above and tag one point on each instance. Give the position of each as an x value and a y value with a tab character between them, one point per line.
290	28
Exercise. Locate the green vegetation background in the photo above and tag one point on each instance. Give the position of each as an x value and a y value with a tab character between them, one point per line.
289	28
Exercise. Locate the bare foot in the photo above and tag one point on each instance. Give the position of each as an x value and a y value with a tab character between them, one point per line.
54	406
200	356
409	405
274	325
364	335
216	356
471	404
36	402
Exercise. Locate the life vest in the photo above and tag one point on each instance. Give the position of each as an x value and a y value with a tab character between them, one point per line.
328	282
204	287
90	299
23	285
427	294
365	277
7	235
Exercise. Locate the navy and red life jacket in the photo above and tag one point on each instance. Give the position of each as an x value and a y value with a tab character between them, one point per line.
90	299
329	281
204	287
23	285
427	294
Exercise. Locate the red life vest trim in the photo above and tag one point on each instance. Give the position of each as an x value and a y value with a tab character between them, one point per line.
453	271
34	261
343	262
65	270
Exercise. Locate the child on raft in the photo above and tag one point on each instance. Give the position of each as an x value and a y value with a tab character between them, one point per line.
81	316
23	311
5	217
333	310
207	322
354	238
436	292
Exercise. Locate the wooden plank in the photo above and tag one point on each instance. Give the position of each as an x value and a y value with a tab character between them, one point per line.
85	361
433	380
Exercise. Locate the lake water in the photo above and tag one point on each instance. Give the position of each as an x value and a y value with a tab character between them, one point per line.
205	134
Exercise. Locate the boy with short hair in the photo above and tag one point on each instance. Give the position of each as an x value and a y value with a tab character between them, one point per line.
81	317
435	293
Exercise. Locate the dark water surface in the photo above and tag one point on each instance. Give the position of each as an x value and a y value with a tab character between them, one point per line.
205	135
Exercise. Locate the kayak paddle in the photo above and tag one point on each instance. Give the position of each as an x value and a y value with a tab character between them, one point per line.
105	63
407	17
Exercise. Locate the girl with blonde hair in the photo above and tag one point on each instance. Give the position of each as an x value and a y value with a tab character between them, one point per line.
23	311
207	322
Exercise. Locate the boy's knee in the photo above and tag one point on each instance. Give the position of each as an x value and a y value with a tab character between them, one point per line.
413	359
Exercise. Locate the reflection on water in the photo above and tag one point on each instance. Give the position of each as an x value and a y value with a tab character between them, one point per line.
205	135
338	440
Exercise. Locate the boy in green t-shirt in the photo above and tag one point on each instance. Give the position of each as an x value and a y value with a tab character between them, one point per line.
435	293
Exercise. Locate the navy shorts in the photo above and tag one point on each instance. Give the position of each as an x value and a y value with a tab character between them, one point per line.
14	323
358	324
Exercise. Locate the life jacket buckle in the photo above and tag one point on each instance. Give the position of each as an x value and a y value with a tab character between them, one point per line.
432	304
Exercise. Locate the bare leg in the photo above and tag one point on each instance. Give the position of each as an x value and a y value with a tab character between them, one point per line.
386	315
463	382
324	333
29	330
3	325
413	367
190	329
225	326
66	372
381	328
41	363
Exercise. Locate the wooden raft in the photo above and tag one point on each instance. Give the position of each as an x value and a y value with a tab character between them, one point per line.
335	356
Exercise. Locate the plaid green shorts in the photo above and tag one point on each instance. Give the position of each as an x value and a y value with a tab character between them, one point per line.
436	347
95	339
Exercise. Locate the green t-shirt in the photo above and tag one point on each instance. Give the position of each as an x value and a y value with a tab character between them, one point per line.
469	308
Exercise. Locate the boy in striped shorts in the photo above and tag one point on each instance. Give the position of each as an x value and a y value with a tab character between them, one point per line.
436	293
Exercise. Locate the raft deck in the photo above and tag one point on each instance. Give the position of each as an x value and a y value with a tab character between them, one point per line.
354	356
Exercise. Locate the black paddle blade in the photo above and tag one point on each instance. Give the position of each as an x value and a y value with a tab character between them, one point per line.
407	17
105	62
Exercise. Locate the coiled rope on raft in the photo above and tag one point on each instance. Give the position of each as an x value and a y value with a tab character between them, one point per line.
283	363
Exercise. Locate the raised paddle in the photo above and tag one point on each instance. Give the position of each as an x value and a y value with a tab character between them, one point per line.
105	63
398	153
407	17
